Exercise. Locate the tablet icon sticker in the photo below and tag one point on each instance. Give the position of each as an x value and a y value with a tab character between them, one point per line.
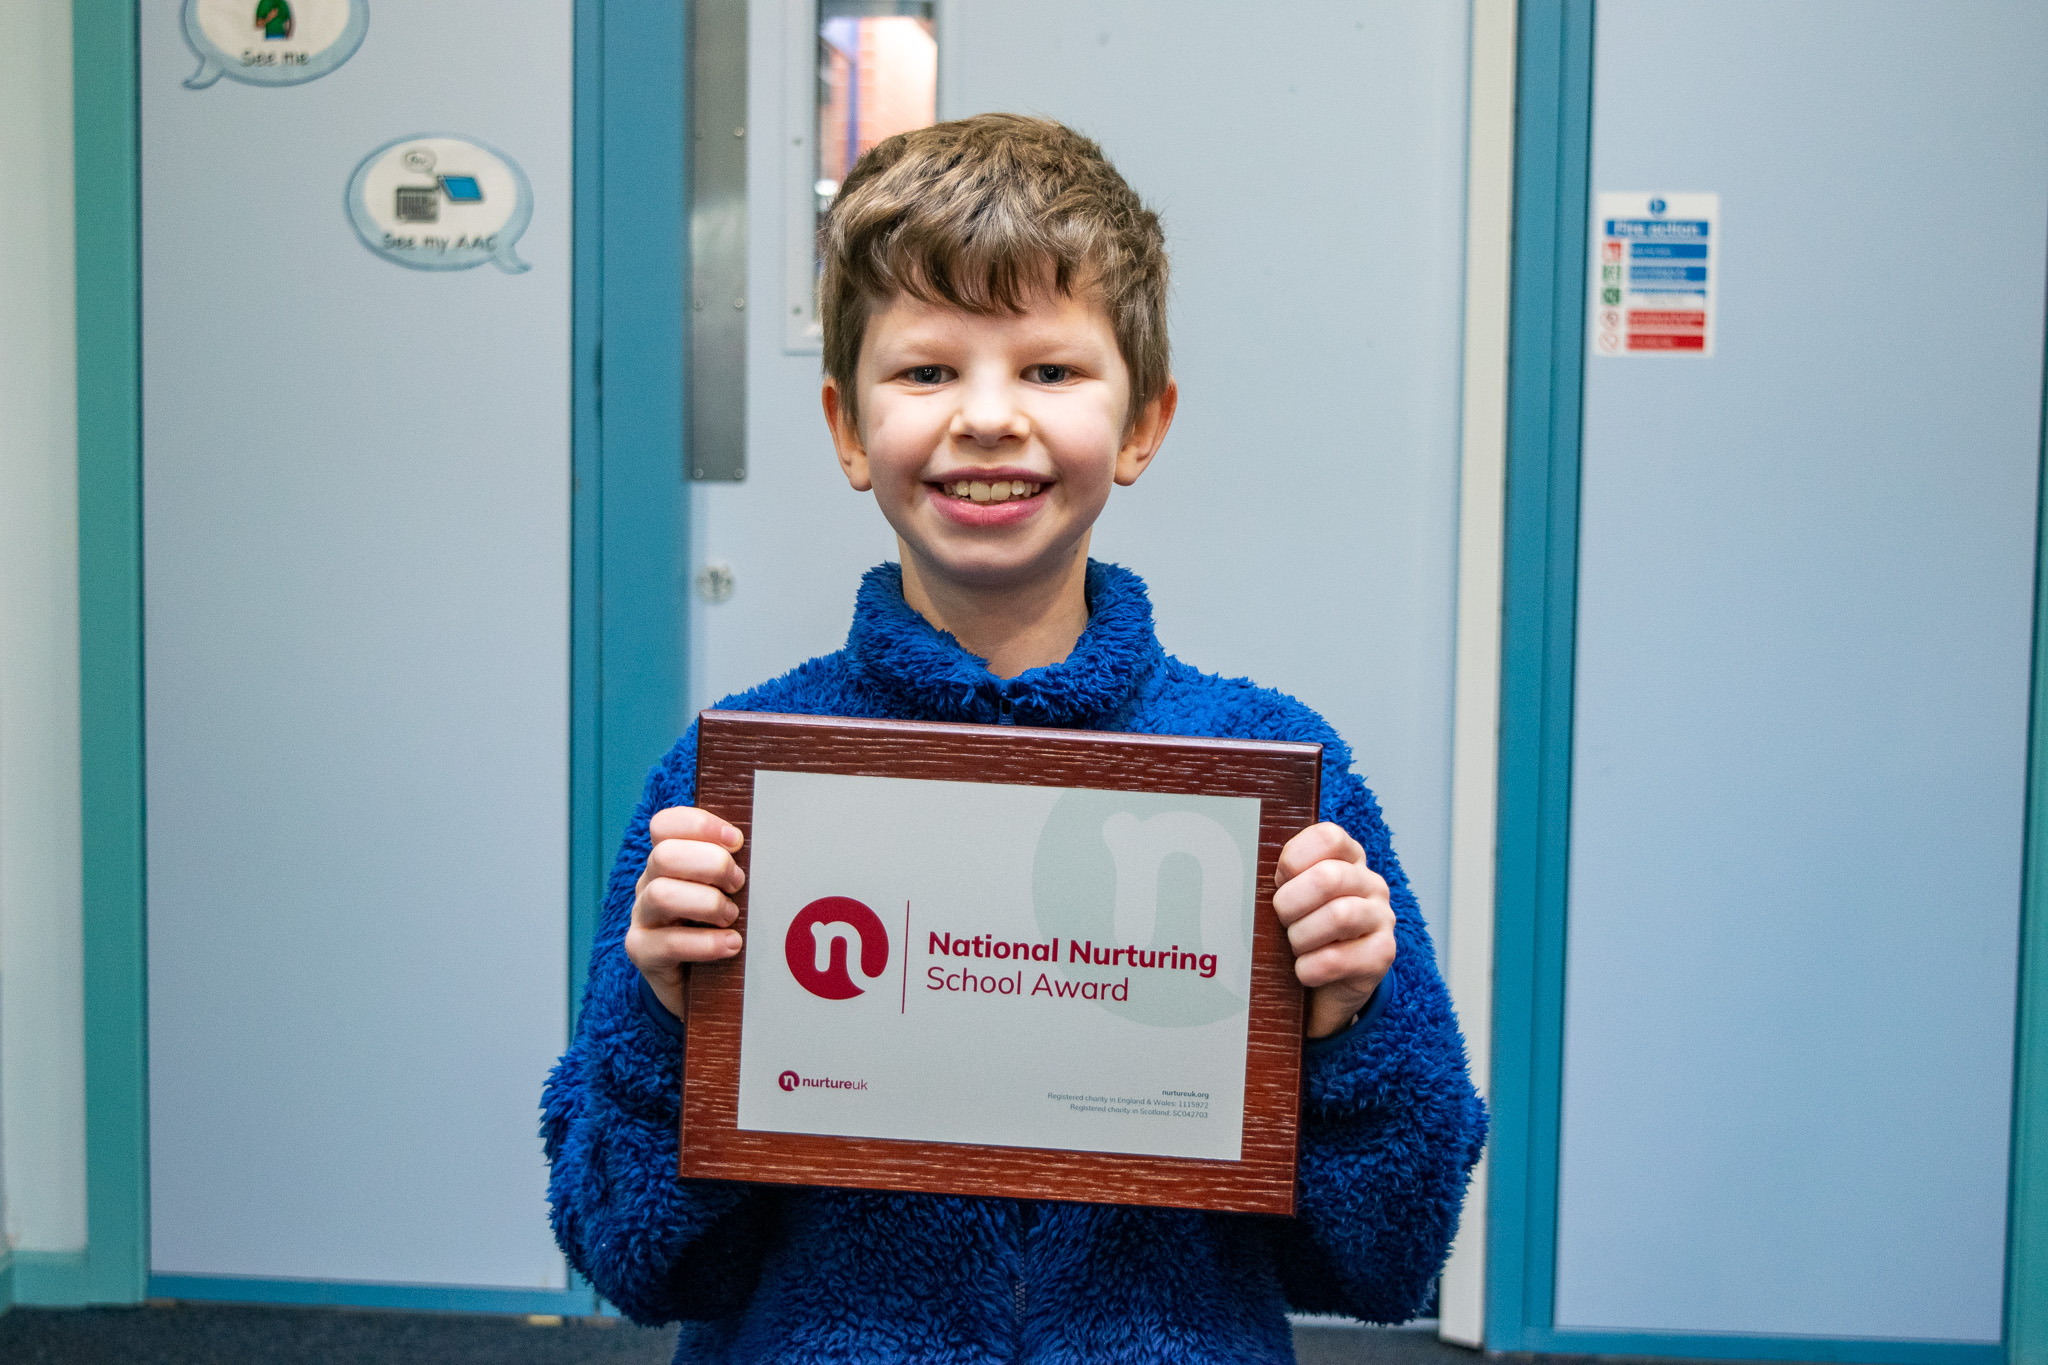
272	42
437	202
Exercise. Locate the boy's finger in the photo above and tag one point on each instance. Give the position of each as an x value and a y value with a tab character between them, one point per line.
694	860
1344	920
689	822
665	901
1313	845
663	949
1376	885
1363	963
1316	884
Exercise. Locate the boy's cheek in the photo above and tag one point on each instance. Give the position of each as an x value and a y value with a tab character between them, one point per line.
901	424
1084	434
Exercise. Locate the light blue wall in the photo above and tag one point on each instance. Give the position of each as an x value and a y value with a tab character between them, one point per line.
1806	587
356	483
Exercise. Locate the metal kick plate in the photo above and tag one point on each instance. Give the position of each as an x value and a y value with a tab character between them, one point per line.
716	380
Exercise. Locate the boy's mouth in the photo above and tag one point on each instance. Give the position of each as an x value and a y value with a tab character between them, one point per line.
991	490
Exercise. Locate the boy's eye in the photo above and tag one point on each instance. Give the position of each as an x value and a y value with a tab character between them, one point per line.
1052	374
926	374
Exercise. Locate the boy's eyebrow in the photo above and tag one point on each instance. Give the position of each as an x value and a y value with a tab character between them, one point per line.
1041	337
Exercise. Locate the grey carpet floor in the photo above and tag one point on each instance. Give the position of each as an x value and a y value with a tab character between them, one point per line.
222	1334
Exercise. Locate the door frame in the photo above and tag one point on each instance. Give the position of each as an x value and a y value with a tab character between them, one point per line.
2026	1255
107	201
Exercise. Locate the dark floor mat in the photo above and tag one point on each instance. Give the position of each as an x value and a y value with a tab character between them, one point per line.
1342	1344
242	1334
238	1334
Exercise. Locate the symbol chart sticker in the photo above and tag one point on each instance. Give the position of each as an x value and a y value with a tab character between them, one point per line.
439	202
272	42
1655	267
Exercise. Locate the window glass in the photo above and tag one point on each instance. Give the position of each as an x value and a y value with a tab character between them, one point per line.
878	75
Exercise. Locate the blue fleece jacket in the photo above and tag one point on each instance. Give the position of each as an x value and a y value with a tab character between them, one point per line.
1390	1124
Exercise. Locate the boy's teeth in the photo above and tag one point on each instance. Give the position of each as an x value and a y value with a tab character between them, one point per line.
1001	490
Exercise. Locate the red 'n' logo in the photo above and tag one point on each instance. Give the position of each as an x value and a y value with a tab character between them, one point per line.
800	946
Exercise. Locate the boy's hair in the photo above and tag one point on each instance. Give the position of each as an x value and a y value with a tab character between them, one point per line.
973	214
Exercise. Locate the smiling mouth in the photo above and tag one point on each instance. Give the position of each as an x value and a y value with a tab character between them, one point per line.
998	490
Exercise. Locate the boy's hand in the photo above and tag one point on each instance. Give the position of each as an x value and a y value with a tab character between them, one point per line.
1340	921
682	902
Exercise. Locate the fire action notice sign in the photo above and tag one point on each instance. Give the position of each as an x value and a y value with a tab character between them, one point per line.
1655	266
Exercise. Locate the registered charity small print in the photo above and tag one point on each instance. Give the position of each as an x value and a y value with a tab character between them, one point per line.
1001	960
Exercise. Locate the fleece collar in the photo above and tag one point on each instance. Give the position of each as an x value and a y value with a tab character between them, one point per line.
925	674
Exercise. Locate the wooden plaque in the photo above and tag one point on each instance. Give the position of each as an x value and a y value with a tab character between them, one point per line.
1284	777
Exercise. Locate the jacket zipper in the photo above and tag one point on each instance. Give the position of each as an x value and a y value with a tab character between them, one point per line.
1027	1216
1007	715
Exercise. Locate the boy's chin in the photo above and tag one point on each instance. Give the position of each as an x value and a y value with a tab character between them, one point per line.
943	568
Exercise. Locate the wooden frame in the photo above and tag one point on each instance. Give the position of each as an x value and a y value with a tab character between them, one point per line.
1285	777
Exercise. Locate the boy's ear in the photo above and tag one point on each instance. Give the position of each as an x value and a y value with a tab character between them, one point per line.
853	455
1142	441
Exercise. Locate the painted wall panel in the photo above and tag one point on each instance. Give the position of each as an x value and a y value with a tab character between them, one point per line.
1299	526
42	1056
1806	589
356	490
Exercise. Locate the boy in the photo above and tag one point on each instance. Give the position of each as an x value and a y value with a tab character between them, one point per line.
996	358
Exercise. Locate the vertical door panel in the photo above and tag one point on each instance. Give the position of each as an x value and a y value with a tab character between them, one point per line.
1804	624
356	556
1299	525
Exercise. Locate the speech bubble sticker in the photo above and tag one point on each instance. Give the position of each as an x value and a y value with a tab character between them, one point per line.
434	201
272	42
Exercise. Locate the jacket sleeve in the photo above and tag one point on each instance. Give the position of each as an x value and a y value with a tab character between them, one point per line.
1390	1125
659	1247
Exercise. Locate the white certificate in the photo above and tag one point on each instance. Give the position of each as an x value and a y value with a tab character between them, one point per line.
1002	965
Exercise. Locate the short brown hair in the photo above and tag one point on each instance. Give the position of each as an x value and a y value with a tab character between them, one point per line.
971	214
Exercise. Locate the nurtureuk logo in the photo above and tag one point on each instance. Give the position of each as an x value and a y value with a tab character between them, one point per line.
789	1080
828	923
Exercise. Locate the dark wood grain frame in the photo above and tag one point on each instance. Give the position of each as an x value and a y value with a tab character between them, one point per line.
1286	779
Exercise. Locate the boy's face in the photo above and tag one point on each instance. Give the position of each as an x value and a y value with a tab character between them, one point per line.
991	441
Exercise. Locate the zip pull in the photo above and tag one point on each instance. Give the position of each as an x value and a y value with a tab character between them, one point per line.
1008	716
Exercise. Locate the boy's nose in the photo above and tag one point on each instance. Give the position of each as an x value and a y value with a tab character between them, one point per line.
988	417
